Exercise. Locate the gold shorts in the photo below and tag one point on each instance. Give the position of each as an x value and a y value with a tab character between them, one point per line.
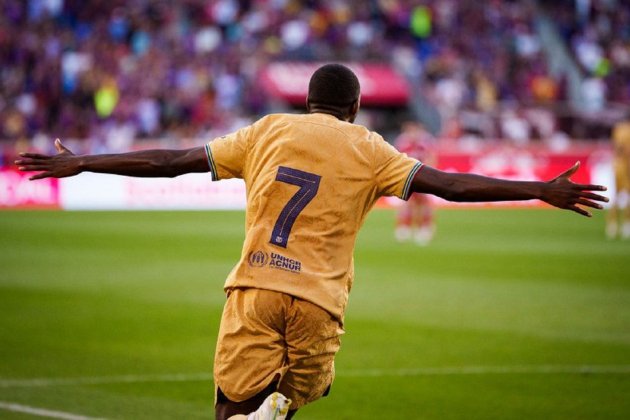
268	336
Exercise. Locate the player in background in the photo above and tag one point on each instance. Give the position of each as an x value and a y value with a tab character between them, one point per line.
618	218
311	180
415	219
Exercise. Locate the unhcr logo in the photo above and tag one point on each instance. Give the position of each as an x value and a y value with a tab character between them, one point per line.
258	259
283	263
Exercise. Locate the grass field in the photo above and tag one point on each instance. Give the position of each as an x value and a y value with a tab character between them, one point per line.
509	314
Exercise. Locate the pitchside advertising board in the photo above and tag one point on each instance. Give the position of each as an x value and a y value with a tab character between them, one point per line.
89	191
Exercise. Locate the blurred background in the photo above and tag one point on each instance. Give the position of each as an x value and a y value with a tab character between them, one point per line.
507	314
113	75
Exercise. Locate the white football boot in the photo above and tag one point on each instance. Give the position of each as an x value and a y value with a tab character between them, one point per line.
275	407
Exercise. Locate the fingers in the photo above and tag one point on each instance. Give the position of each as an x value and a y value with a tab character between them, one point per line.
589	203
595	197
585	200
34	156
31	164
580	210
569	172
40	176
33	168
591	187
28	161
60	147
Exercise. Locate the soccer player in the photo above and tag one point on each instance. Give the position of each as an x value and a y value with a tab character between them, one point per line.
415	218
618	218
311	179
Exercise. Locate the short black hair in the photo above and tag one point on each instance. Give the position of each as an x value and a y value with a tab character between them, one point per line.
333	84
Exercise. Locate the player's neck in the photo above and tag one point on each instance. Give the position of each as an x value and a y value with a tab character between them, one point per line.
337	115
341	113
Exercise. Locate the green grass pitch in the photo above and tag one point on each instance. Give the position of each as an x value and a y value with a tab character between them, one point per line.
508	314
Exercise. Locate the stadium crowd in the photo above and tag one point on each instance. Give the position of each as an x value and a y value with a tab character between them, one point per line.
108	72
598	35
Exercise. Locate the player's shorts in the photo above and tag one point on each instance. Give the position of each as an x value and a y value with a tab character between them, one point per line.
268	337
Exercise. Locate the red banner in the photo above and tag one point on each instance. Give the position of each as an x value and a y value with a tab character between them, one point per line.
17	191
525	163
380	84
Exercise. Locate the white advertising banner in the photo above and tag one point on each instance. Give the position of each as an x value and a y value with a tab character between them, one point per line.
90	191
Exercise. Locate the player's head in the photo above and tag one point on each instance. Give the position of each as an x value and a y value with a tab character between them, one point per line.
335	89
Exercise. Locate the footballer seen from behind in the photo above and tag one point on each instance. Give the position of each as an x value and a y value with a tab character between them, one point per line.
310	179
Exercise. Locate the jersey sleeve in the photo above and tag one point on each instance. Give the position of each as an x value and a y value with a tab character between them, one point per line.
227	154
394	171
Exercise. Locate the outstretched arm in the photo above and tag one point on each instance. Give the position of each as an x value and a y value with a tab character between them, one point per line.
146	163
560	192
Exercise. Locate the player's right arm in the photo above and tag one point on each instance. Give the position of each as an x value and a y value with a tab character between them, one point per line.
145	163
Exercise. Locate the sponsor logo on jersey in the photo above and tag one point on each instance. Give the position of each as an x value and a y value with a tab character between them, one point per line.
283	263
258	259
277	261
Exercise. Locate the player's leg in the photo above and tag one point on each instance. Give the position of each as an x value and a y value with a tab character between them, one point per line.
425	227
618	217
251	350
622	178
274	407
612	217
227	409
614	212
313	339
624	208
403	230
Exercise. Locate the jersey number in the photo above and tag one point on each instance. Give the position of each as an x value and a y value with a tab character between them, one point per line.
308	183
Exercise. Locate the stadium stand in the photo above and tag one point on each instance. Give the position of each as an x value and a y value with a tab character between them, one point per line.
109	73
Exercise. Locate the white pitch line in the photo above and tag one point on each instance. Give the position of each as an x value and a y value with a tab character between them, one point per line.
484	370
98	380
427	371
18	408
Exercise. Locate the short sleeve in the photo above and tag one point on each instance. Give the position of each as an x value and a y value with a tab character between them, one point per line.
394	171
227	154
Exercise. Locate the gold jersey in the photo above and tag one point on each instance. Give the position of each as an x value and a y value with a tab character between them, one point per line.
310	180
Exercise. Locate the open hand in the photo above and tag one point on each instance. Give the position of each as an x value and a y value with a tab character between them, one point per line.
61	165
561	192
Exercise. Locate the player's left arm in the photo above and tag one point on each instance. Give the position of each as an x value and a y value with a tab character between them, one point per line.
560	192
145	163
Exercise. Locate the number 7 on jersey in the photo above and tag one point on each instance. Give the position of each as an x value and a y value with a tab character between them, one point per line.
309	184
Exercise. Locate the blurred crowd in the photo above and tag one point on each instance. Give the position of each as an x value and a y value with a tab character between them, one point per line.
106	73
598	35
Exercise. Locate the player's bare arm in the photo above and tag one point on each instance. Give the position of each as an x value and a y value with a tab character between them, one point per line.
560	192
146	163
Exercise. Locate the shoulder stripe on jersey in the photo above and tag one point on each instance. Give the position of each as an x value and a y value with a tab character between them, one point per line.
412	173
213	168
